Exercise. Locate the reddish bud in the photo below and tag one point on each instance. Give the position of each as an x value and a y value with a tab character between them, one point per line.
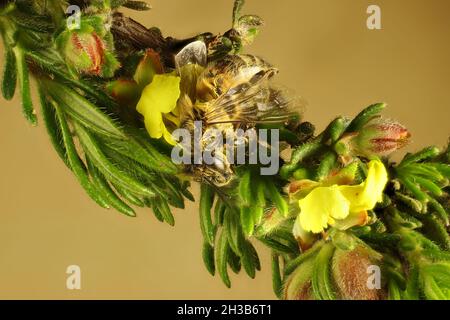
379	138
85	52
351	272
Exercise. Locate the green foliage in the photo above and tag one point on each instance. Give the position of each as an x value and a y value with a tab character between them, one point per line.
121	167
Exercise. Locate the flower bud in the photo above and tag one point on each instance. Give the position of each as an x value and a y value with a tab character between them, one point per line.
85	52
88	52
352	270
379	138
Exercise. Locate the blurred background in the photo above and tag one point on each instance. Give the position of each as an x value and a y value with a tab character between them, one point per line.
324	52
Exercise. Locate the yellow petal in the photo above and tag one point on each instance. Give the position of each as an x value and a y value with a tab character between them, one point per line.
377	177
154	124
160	95
366	195
157	98
319	206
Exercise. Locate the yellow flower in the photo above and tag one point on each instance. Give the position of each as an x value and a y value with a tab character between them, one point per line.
158	101
366	195
332	205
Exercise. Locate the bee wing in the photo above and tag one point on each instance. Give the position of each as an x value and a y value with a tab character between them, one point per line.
279	104
256	101
193	53
190	63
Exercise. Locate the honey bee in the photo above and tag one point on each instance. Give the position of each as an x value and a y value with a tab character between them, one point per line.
232	93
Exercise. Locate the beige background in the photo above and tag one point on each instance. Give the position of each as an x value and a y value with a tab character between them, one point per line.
323	50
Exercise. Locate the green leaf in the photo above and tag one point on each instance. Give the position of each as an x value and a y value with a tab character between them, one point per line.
276	245
222	253
274	195
277	282
92	149
131	167
75	162
53	127
50	61
321	280
429	186
255	256
24	81
82	110
208	258
422	169
175	196
259	206
284	236
412	203
412	284
206	202
436	231
383	240
293	264
443	168
129	197
436	255
234	232
150	155
442	213
439	271
365	116
246	218
428	152
394	291
247	260
257	213
34	22
336	128
431	289
9	80
234	261
299	154
245	193
108	194
156	211
185	191
327	163
165	211
134	150
219	210
414	189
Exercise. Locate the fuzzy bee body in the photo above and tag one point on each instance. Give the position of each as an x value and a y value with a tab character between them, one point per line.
228	94
229	72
